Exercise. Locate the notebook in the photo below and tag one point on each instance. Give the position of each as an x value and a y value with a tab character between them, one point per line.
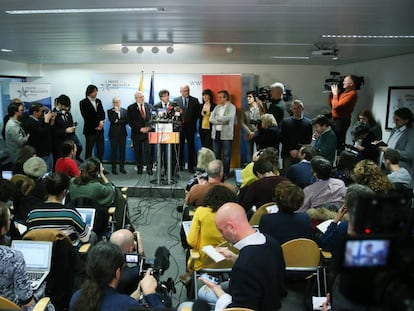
237	174
88	216
38	257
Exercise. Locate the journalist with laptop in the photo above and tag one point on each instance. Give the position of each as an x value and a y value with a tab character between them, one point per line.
52	214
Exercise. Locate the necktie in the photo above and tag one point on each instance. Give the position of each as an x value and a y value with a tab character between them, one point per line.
185	103
143	112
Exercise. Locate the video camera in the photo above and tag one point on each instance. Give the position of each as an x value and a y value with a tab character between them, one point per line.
200	173
159	264
265	94
377	265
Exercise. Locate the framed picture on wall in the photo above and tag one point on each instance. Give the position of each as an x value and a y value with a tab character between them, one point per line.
398	97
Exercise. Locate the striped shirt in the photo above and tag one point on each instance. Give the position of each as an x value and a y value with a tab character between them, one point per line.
50	215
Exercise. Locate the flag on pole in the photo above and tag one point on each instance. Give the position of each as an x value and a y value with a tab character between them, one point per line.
151	95
141	82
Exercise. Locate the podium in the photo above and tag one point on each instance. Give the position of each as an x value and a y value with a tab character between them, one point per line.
164	135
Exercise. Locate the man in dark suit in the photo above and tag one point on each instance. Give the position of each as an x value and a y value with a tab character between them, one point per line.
191	112
117	134
94	118
139	117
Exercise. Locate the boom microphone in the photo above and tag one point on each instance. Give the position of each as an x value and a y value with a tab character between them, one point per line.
162	260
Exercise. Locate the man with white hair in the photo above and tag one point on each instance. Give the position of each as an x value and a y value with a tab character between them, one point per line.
277	104
139	117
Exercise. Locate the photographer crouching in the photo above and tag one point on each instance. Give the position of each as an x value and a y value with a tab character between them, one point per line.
268	132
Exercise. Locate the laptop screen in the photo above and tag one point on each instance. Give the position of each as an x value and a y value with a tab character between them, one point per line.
7	175
37	254
88	215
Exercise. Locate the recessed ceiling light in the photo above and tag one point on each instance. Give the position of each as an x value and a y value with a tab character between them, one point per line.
369	36
290	57
6	50
92	10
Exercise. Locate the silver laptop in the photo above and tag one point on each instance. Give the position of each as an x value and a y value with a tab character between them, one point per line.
88	216
38	258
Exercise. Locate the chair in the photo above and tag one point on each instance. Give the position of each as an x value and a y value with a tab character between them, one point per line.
64	268
262	210
304	255
6	304
211	266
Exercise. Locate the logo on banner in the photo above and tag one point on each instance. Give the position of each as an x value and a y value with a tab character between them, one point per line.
32	92
114	84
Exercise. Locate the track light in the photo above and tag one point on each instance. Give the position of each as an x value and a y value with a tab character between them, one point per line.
124	50
155	50
170	50
140	50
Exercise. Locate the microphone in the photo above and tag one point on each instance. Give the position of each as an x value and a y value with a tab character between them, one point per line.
162	260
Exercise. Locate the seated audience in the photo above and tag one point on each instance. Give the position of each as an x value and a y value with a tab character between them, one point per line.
24	154
257	277
14	281
92	184
287	225
66	164
363	142
367	173
301	173
52	214
345	165
261	191
203	230
367	117
398	175
104	269
326	141
195	197
271	154
36	168
268	133
326	191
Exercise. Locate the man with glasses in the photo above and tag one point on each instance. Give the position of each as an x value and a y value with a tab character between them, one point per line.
250	113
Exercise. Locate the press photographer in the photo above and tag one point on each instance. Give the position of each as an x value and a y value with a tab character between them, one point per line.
267	133
274	100
342	102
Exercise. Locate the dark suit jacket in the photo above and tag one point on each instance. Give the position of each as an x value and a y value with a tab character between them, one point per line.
301	174
136	122
191	114
118	124
91	117
40	136
286	226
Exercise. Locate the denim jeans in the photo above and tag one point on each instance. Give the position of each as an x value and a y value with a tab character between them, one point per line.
222	150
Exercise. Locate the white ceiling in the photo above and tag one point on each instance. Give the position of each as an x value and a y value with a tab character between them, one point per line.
201	31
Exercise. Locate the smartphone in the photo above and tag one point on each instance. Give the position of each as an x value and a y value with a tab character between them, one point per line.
210	278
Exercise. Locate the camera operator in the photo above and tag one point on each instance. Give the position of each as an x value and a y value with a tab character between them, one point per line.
98	292
342	105
130	277
268	133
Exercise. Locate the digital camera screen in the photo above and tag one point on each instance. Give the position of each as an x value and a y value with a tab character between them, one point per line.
366	253
131	258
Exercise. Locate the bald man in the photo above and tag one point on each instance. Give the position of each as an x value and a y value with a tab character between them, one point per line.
257	277
130	274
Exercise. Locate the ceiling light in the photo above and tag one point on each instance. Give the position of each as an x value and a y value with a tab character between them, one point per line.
6	50
368	36
229	50
290	57
140	50
155	50
170	50
124	50
91	10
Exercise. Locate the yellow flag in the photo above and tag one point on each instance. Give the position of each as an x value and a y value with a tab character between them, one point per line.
141	82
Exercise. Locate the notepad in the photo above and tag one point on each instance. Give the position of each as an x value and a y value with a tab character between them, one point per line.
212	253
323	226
